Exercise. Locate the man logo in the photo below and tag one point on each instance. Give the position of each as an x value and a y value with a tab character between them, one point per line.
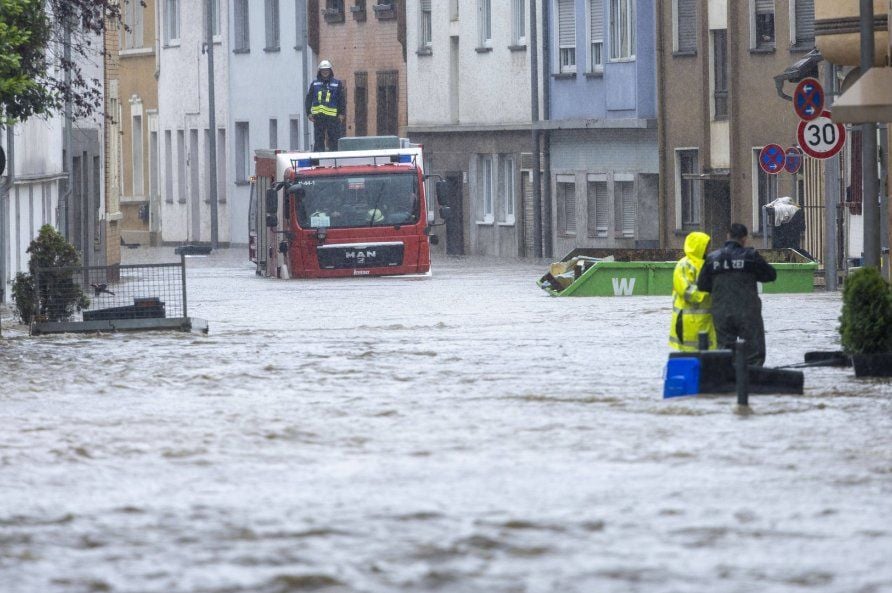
360	256
623	286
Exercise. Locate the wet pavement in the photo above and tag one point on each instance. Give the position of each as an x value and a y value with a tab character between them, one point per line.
460	433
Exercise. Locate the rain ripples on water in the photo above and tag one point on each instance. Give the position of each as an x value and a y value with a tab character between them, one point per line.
456	434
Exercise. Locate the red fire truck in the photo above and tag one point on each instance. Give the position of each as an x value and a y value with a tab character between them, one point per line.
360	211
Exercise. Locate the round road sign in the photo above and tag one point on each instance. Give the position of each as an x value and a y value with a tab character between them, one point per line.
771	159
793	160
821	138
808	99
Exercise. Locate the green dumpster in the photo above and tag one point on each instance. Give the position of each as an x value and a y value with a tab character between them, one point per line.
647	272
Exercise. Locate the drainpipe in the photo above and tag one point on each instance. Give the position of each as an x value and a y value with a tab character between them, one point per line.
67	212
661	133
534	99
546	98
212	126
869	151
4	201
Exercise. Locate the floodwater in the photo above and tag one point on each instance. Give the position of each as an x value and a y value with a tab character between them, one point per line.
462	433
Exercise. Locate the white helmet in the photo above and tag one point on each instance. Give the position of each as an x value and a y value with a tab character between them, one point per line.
324	64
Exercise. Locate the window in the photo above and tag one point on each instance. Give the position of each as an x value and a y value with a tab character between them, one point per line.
168	167
453	10
215	18
688	188
597	199
484	23
624	198
361	104
566	204
764	191
685	15
720	73
222	165
136	156
485	187
425	36
133	22
566	36
622	29
272	25
242	152
171	21
802	24
242	41
181	166
518	23
506	189
762	27
300	24
153	156
294	134
388	109
273	134
596	36
334	11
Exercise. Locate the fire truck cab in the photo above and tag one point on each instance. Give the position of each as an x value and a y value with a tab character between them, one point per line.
359	211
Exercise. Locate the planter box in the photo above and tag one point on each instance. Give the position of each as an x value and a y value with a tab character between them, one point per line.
873	365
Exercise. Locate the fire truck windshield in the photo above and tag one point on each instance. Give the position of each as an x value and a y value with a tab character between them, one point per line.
384	199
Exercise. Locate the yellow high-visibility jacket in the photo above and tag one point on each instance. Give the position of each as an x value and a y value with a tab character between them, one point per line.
690	307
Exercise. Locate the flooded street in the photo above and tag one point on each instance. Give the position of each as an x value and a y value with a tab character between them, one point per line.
461	433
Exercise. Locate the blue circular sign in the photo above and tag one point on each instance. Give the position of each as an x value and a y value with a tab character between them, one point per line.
808	99
771	159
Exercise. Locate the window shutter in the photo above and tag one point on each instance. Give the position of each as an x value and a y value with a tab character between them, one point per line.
596	9
601	201
425	5
687	25
764	6
566	23
805	22
629	209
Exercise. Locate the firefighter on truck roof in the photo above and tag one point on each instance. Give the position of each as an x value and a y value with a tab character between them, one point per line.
326	107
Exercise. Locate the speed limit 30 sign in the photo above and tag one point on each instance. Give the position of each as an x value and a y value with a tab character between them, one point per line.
821	138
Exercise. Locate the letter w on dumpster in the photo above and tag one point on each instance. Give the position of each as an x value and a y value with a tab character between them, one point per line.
623	286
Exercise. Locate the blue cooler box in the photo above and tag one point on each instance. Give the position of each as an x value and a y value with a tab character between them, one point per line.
682	377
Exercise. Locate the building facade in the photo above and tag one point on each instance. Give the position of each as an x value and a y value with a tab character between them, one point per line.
720	107
267	68
184	137
602	153
470	105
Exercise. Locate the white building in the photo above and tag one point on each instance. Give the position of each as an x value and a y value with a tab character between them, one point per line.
267	74
183	121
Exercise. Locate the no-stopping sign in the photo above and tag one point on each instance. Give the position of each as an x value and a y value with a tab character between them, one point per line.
821	138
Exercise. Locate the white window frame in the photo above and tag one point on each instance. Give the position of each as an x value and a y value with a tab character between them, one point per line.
242	151
562	218
679	185
622	30
594	66
566	54
507	189
486	184
484	23
172	23
626	178
425	24
596	231
755	227
518	23
137	150
676	29
754	42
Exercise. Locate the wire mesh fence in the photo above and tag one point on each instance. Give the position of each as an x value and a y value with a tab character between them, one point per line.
95	293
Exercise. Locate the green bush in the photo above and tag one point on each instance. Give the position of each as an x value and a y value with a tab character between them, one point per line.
59	294
866	321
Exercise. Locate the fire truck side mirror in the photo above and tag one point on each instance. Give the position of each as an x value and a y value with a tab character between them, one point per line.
442	192
272	201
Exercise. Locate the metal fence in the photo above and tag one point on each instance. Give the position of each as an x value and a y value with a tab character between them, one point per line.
95	293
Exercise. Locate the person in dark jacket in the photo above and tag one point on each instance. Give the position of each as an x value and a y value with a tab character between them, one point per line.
731	274
326	106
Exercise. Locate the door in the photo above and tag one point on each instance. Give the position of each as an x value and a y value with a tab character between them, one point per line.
455	220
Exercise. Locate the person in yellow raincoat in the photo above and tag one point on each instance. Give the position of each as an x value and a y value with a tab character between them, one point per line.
690	307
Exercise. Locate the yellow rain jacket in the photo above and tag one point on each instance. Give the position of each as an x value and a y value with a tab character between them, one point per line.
690	307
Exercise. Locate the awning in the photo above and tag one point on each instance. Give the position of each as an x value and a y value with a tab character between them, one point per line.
868	100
